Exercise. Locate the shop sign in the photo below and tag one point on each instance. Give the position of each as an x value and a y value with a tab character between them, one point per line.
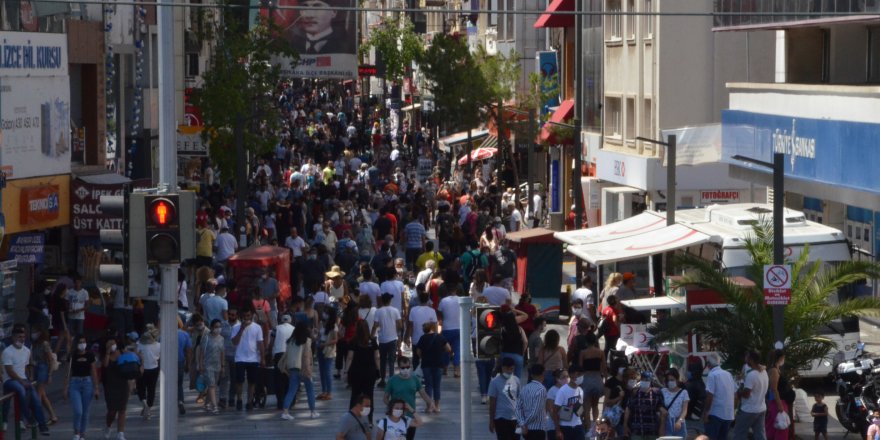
189	141
32	54
85	205
28	248
39	204
624	169
555	187
719	196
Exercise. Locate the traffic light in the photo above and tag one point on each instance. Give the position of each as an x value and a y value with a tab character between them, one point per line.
187	214
162	229
488	331
125	244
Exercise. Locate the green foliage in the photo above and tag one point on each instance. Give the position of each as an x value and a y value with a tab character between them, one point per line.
540	91
500	72
242	74
456	80
748	324
398	44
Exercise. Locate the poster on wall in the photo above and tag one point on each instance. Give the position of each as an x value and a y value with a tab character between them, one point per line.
36	126
326	39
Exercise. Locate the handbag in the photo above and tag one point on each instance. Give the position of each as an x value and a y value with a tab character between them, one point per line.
783	421
613	414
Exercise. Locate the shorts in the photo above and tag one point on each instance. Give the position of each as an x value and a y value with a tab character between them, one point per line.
211	377
593	386
250	370
76	327
41	373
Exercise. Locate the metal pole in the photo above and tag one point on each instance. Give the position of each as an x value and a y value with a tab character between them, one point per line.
578	193
778	239
168	179
671	197
466	303
499	157
531	164
241	177
578	118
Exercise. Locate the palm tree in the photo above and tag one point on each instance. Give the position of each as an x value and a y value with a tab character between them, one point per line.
748	323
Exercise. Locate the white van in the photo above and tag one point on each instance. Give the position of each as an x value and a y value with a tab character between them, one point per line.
718	233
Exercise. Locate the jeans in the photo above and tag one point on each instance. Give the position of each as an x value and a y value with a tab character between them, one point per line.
293	387
432	382
452	337
484	374
146	386
506	430
716	428
610	344
227	381
281	381
518	360
746	420
387	357
29	399
573	432
81	391
325	366
180	367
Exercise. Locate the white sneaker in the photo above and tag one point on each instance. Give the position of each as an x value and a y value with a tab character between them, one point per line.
106	433
286	417
76	437
315	414
120	436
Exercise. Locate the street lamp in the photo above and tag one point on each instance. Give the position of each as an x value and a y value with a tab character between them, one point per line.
778	167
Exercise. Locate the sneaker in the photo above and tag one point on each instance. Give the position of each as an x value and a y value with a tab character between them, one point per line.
222	404
180	409
76	437
44	430
286	416
483	400
120	436
238	405
314	414
381	383
107	433
144	409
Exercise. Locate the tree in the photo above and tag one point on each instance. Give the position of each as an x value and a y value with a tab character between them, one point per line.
455	79
748	324
397	43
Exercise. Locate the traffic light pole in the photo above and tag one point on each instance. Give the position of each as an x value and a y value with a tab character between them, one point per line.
467	361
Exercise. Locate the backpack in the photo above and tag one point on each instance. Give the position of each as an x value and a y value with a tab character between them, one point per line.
260	315
405	423
475	264
129	365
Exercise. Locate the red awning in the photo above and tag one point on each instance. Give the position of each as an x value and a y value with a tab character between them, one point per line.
564	112
557	20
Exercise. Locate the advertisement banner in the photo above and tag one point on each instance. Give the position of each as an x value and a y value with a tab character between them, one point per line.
326	39
33	54
840	153
27	248
36	203
548	65
36	126
555	186
86	217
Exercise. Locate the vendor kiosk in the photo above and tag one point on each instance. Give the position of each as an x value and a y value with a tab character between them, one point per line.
246	267
538	267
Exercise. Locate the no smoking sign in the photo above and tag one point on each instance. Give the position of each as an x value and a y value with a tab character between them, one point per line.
777	284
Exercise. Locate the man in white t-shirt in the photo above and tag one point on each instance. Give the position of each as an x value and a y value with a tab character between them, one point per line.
368	287
450	313
418	316
226	245
395	288
753	405
569	399
16	362
387	330
495	294
425	275
248	340
585	294
296	244
77	297
279	346
720	390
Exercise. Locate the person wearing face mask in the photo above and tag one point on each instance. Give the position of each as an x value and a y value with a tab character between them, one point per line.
560	378
503	392
641	420
210	360
531	405
80	386
405	386
227	380
116	390
42	355
148	350
354	424
777	397
753	405
675	403
569	400
16	360
395	425
718	408
874	428
616	388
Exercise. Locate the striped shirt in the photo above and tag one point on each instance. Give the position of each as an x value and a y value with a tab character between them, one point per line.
414	234
530	406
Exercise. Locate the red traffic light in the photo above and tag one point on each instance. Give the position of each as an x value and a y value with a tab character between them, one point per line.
489	319
162	212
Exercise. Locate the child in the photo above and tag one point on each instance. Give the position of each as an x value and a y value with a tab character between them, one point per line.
820	417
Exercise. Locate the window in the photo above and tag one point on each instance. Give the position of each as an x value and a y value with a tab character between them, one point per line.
493	15
648	20
647	124
630	20
874	55
630	121
613	29
612	116
508	18
192	65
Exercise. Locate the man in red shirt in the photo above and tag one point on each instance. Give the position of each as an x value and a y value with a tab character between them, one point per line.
613	314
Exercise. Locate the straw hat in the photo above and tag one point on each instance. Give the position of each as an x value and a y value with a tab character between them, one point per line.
335	272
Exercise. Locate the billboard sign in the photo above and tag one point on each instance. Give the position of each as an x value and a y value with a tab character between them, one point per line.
548	65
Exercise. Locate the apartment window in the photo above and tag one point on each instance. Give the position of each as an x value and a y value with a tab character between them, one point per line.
192	65
648	20
508	18
493	14
874	55
612	117
630	122
647	124
630	20
613	31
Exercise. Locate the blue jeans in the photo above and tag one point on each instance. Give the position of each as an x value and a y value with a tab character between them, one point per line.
432	382
387	357
29	399
573	432
180	367
484	374
518	360
325	365
293	387
746	420
452	337
81	392
717	429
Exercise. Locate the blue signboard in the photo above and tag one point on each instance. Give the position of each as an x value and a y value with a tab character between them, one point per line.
28	248
555	186
840	153
548	65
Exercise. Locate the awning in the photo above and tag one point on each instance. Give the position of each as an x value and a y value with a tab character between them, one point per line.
447	142
638	224
656	303
564	112
104	179
412	107
490	142
642	245
557	20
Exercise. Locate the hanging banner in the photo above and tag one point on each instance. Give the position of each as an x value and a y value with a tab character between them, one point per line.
548	65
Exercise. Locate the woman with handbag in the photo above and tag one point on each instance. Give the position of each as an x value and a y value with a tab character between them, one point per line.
778	420
45	363
297	363
551	356
363	354
675	404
